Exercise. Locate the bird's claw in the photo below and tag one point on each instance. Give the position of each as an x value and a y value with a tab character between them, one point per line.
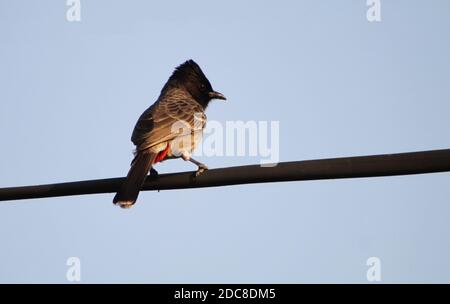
153	172
200	170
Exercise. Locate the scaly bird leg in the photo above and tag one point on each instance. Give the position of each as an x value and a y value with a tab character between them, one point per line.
201	167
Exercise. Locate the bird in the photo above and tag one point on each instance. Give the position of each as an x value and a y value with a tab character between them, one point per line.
170	128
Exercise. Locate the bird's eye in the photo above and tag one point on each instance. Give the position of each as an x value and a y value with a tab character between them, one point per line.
203	86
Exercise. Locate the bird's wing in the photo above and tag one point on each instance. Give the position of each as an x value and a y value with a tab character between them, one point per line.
171	116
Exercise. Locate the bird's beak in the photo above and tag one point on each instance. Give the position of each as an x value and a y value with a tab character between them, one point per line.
217	95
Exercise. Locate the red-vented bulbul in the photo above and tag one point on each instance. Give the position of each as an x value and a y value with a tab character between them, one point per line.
169	128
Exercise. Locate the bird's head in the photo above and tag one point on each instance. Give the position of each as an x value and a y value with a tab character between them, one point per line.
190	77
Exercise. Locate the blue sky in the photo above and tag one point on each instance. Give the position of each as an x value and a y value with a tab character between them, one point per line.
339	86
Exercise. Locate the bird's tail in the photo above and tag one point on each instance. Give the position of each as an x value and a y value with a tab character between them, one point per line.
129	191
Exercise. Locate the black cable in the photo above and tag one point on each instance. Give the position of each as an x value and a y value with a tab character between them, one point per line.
346	167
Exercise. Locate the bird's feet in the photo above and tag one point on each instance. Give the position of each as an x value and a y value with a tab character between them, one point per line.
201	168
153	172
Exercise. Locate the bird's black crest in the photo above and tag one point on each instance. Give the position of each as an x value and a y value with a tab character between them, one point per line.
190	76
188	71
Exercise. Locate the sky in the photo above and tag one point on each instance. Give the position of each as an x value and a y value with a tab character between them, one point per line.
337	84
